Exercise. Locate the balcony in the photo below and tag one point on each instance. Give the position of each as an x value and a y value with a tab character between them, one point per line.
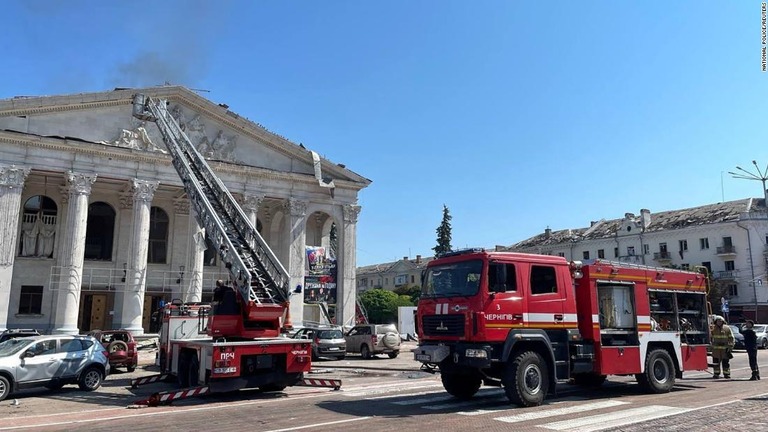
726	250
726	275
664	257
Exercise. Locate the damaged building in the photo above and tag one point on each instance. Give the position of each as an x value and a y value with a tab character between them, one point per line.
87	191
730	239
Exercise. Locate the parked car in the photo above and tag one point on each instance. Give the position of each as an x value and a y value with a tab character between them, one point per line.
15	333
737	336
52	362
121	347
372	339
327	341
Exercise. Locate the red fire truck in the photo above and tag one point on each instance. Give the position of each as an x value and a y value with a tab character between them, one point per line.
526	322
238	341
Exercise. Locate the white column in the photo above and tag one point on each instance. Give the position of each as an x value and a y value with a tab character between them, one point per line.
297	210
346	271
11	184
250	205
136	277
72	247
193	288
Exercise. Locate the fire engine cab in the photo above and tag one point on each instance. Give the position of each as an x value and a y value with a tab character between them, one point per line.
526	322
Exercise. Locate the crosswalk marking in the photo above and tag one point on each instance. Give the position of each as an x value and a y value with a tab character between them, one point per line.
420	393
614	419
479	397
385	388
559	411
462	404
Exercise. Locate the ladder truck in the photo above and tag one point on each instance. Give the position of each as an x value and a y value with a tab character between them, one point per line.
239	340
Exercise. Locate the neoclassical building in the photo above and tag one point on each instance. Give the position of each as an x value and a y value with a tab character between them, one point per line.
96	230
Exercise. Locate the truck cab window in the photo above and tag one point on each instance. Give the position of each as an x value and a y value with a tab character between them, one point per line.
453	280
543	280
496	285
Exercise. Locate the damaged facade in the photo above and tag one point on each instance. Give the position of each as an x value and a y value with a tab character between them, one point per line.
729	238
85	188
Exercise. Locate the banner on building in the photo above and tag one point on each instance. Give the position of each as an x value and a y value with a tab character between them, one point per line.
320	276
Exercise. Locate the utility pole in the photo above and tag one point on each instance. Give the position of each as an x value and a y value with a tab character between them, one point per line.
762	177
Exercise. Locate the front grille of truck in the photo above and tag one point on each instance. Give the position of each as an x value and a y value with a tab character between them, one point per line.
443	325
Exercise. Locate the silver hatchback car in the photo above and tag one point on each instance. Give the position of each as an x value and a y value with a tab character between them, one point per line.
52	362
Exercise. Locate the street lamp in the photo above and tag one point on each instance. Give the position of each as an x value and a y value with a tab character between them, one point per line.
761	176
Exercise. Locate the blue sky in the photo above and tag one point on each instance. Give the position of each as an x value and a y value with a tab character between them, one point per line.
516	115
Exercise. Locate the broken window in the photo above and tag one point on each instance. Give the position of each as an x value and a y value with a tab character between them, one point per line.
100	232
38	227
158	236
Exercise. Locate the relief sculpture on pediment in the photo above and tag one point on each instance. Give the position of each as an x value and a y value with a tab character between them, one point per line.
136	139
223	147
195	130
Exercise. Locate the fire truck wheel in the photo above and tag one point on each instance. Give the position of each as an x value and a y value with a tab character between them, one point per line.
460	385
526	379
589	380
659	375
365	352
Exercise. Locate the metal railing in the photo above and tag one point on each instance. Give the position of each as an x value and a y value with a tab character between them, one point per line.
114	280
725	250
726	274
662	256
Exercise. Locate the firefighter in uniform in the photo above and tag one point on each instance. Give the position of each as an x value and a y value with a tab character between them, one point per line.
722	344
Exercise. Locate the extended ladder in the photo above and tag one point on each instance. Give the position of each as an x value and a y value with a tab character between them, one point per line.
254	268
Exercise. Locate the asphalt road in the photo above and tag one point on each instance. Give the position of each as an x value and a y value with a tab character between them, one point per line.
386	394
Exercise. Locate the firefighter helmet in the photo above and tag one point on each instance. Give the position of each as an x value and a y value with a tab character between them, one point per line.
718	318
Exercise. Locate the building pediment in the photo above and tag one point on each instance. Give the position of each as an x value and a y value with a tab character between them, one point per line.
105	119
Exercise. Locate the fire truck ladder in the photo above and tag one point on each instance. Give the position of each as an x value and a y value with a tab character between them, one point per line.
362	314
256	271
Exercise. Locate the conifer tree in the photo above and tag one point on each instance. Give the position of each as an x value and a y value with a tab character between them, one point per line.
444	234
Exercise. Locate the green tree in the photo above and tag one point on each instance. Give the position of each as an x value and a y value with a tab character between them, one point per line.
411	291
444	234
382	305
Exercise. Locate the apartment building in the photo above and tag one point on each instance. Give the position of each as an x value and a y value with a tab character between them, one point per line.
727	238
391	275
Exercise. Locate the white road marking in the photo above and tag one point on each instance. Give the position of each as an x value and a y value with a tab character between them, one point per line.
462	404
446	397
559	411
508	407
318	424
402	395
379	389
615	419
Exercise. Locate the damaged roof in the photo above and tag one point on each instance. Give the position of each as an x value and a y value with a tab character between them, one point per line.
661	221
419	263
